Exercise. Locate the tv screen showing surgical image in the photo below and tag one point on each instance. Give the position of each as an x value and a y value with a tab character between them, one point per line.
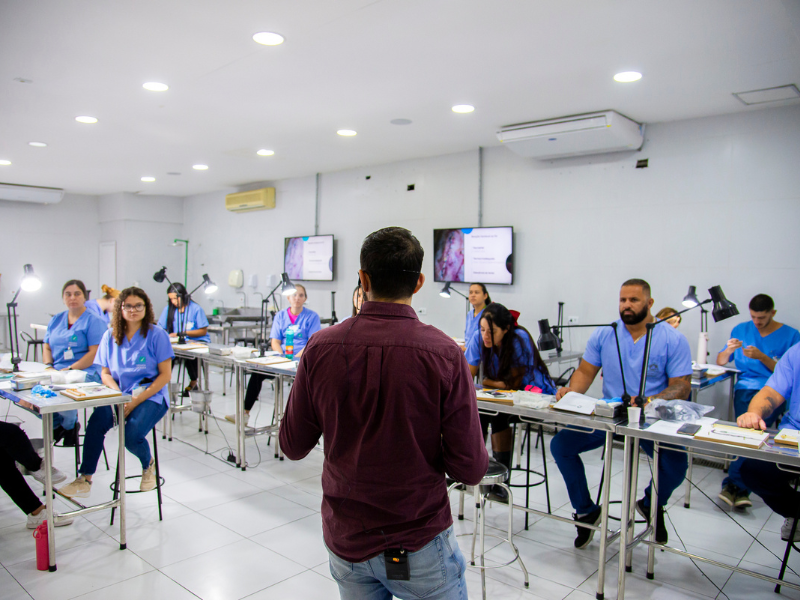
309	258
470	254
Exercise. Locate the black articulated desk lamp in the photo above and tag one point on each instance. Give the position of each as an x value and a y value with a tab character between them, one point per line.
287	289
209	288
30	283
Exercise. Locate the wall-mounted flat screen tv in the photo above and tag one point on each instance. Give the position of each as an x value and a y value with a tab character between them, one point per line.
308	258
470	254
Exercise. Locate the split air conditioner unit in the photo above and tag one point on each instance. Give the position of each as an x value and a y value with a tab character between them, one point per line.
30	193
253	200
577	135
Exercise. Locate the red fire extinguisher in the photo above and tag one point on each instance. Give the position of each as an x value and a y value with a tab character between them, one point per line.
42	547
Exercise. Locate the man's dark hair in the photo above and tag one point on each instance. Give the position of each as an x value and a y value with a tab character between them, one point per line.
762	303
392	257
641	283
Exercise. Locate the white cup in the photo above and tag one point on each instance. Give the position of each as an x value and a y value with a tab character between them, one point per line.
634	414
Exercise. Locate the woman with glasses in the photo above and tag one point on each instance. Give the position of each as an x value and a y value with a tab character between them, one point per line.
136	357
70	344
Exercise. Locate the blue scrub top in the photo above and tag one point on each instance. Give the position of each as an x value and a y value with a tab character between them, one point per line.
95	309
785	380
473	353
670	356
136	359
87	331
195	318
304	327
754	374
473	323
523	357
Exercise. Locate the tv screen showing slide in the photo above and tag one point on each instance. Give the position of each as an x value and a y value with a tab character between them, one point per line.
308	258
474	254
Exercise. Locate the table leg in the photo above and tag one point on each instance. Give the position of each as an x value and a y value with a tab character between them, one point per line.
47	430
601	574
687	500
651	550
280	417
240	427
632	504
623	523
123	542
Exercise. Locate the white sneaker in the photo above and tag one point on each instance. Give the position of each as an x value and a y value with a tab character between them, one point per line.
148	482
786	530
35	520
56	475
80	488
232	418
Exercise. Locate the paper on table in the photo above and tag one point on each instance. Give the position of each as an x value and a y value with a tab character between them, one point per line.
717	368
671	427
576	403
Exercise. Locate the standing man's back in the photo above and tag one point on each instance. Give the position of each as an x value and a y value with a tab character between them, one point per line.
395	402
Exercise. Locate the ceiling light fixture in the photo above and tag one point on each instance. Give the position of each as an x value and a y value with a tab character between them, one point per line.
87	120
463	108
263	152
267	38
148	179
627	77
37	144
200	167
4	162
154	86
347	132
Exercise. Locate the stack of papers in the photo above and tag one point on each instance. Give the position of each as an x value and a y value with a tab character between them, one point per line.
269	360
732	435
576	403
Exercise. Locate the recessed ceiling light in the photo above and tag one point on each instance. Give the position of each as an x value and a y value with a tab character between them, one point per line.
88	120
37	144
627	77
267	38
148	179
400	121
200	167
463	108
4	162
154	86
263	152
346	132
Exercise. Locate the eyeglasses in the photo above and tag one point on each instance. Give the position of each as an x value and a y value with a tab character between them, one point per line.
133	308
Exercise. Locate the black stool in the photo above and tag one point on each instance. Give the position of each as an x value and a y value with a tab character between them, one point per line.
159	480
789	545
29	339
528	471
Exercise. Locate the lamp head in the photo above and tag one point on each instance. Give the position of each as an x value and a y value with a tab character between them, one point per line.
160	275
209	286
30	282
547	339
723	308
690	300
287	287
445	293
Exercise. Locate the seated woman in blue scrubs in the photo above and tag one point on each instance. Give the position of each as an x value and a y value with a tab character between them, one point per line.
184	314
70	344
104	305
302	322
511	362
136	357
479	298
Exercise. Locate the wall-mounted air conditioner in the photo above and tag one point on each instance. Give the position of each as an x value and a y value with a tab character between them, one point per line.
252	200
577	135
30	193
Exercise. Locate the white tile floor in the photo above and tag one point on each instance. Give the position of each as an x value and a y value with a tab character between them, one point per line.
257	534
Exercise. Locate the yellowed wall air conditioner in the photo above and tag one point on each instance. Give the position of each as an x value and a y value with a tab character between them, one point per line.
252	200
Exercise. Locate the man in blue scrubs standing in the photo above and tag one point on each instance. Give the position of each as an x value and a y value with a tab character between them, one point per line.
766	479
755	346
668	377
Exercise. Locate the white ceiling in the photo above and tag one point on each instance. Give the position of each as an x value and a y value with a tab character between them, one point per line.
350	64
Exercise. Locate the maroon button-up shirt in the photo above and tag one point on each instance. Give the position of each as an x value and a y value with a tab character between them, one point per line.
395	403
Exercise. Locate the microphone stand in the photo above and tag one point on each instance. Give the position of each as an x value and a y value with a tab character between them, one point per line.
264	310
334	320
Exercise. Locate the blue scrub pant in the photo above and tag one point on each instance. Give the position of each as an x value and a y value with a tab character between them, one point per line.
69	418
567	446
741	400
772	485
138	424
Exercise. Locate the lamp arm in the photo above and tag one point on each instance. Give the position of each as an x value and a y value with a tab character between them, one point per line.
13	331
626	397
680	312
452	289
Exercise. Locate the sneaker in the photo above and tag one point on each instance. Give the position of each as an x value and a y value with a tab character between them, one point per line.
661	530
585	534
35	520
148	477
786	530
71	436
742	500
498	494
56	475
80	488
232	419
728	495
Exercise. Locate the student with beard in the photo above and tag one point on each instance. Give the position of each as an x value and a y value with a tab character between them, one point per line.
668	377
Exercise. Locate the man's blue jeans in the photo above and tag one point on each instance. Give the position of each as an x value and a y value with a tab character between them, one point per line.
741	400
567	446
138	424
437	573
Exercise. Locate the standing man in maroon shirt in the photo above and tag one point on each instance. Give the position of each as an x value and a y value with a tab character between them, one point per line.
395	403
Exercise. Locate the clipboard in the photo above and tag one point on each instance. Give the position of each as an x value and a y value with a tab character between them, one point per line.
501	397
733	436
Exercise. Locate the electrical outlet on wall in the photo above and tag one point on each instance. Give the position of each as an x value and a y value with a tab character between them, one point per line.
572	320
